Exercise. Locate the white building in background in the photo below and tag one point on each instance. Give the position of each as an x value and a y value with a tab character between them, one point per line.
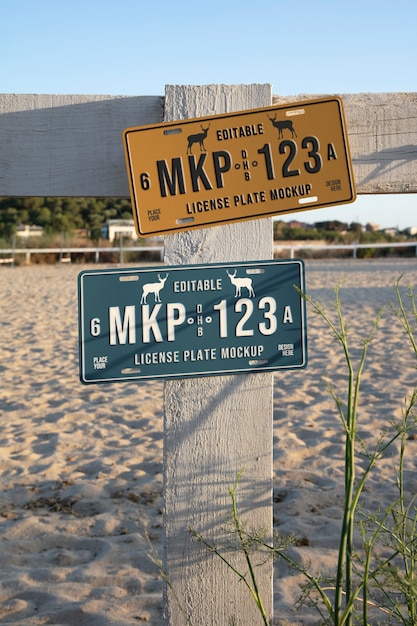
372	227
114	229
411	230
391	231
26	231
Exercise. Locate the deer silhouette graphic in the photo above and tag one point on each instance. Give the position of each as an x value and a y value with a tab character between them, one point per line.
239	283
282	125
198	138
154	288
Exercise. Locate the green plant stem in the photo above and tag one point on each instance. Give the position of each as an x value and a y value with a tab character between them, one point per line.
409	561
344	575
244	541
408	555
254	589
402	314
355	575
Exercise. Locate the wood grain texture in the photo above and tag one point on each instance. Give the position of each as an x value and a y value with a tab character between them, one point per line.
215	426
71	145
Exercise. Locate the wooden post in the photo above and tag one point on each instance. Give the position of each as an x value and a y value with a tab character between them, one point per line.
215	426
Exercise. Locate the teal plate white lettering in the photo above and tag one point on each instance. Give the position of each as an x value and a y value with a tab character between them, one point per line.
197	320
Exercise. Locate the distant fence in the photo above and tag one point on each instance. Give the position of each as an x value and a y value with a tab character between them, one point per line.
353	246
8	255
65	255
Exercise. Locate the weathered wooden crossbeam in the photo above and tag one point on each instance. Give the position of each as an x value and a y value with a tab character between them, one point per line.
53	145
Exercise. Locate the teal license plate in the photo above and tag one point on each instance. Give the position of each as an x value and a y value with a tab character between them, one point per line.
194	320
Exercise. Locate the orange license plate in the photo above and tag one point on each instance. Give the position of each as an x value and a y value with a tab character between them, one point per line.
213	170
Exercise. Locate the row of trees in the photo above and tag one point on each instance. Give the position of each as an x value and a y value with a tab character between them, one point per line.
58	216
61	215
331	231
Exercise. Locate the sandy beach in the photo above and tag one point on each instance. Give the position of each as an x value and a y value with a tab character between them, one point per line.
81	466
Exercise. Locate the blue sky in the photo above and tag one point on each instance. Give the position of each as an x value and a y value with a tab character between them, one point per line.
136	47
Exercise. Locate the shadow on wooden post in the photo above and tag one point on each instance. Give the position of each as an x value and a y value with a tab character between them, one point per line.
215	426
